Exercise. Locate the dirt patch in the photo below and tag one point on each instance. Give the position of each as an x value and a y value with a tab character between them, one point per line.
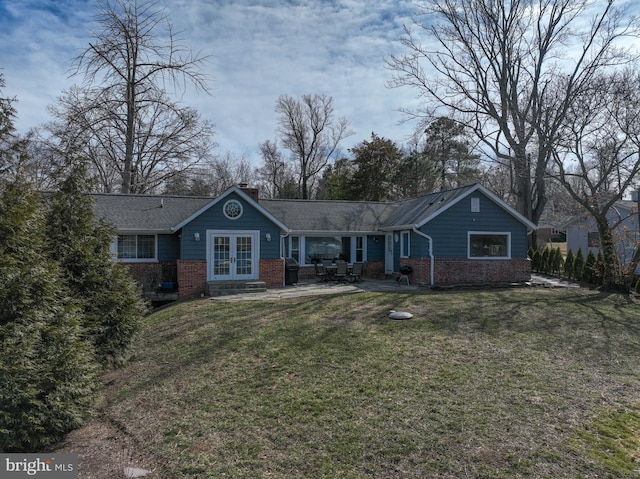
104	452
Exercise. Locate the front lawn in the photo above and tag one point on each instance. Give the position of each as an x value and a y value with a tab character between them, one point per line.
522	383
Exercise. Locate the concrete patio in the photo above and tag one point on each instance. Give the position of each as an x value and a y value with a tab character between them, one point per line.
314	288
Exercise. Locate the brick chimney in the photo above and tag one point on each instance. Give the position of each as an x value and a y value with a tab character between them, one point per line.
253	193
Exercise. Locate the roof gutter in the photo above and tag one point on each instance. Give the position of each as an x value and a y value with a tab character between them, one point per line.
431	262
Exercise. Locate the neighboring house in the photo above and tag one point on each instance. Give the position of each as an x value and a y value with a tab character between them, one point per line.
465	235
582	232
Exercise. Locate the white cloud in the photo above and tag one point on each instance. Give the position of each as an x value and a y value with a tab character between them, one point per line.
260	49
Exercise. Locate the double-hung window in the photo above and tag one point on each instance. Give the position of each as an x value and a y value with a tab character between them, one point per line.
136	247
405	244
295	248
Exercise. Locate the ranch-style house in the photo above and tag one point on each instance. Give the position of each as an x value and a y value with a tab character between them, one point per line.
460	236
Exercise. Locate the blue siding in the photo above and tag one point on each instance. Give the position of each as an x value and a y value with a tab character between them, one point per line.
168	247
449	229
214	219
419	246
375	247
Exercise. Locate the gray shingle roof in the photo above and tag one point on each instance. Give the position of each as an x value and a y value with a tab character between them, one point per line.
142	213
353	216
414	211
146	213
338	216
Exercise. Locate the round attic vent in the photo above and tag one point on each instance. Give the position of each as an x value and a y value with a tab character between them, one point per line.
232	209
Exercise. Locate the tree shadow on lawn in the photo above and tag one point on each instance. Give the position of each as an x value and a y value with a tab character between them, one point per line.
597	327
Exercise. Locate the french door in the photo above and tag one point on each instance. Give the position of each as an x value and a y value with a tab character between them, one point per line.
232	255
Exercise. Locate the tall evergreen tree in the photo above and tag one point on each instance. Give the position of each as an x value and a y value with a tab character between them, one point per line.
376	162
48	374
103	288
448	148
578	265
337	181
569	265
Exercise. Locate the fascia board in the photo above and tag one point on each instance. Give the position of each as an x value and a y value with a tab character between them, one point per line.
333	233
144	231
398	228
244	196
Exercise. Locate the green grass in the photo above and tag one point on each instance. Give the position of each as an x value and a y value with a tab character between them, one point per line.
517	383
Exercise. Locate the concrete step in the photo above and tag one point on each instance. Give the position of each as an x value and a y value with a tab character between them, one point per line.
223	288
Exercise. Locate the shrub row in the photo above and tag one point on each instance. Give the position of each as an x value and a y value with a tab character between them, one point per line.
589	269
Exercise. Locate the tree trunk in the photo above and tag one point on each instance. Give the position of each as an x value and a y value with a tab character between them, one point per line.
129	140
612	280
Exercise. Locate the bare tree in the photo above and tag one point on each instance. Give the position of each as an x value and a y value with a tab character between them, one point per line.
275	174
134	56
169	139
598	159
213	177
496	67
14	155
228	170
307	129
7	114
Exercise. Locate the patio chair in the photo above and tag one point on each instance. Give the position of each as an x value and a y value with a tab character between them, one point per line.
321	273
356	273
341	271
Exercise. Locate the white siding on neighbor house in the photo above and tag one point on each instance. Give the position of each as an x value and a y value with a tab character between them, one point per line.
625	222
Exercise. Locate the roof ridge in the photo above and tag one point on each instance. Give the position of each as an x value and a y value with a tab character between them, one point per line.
144	195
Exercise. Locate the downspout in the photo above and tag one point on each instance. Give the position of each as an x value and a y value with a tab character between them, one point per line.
282	238
431	265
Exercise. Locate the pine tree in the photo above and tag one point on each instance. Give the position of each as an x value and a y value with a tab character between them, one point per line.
545	265
48	374
557	261
589	274
103	288
578	265
569	265
536	261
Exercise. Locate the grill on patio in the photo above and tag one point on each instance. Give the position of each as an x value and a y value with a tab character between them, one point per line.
291	268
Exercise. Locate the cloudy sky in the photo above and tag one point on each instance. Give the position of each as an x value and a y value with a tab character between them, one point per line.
259	50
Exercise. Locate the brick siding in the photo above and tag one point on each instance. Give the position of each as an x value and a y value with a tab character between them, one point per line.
450	271
272	272
375	268
192	277
150	275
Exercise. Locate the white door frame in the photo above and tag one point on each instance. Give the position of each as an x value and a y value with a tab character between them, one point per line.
388	253
233	255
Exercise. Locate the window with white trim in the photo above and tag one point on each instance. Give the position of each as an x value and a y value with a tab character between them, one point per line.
405	244
489	245
322	249
295	248
359	249
136	247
